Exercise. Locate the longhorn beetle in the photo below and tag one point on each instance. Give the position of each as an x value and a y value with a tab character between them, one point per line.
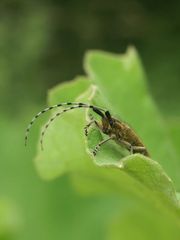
116	130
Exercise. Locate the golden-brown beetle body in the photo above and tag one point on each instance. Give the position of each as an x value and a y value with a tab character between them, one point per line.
123	135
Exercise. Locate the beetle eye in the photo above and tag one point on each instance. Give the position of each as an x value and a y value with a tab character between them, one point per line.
111	122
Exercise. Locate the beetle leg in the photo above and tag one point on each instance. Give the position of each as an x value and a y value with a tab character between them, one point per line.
127	145
96	149
93	121
130	147
140	149
134	149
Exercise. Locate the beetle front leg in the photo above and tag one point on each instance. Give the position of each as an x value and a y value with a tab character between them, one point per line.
93	121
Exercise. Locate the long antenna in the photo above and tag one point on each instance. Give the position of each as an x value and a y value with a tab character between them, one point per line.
77	105
52	119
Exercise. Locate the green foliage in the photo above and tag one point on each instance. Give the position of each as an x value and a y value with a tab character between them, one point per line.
40	47
117	83
10	220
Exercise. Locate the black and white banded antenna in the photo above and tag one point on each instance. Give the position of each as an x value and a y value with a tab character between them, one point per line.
74	105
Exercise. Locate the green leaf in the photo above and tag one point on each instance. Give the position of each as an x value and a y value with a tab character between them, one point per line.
10	219
116	83
64	145
137	174
121	81
151	174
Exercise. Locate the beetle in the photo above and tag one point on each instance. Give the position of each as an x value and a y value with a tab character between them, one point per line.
115	129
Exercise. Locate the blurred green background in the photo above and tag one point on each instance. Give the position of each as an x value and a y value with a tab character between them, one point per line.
42	43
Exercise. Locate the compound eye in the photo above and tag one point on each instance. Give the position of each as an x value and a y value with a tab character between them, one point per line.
111	122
